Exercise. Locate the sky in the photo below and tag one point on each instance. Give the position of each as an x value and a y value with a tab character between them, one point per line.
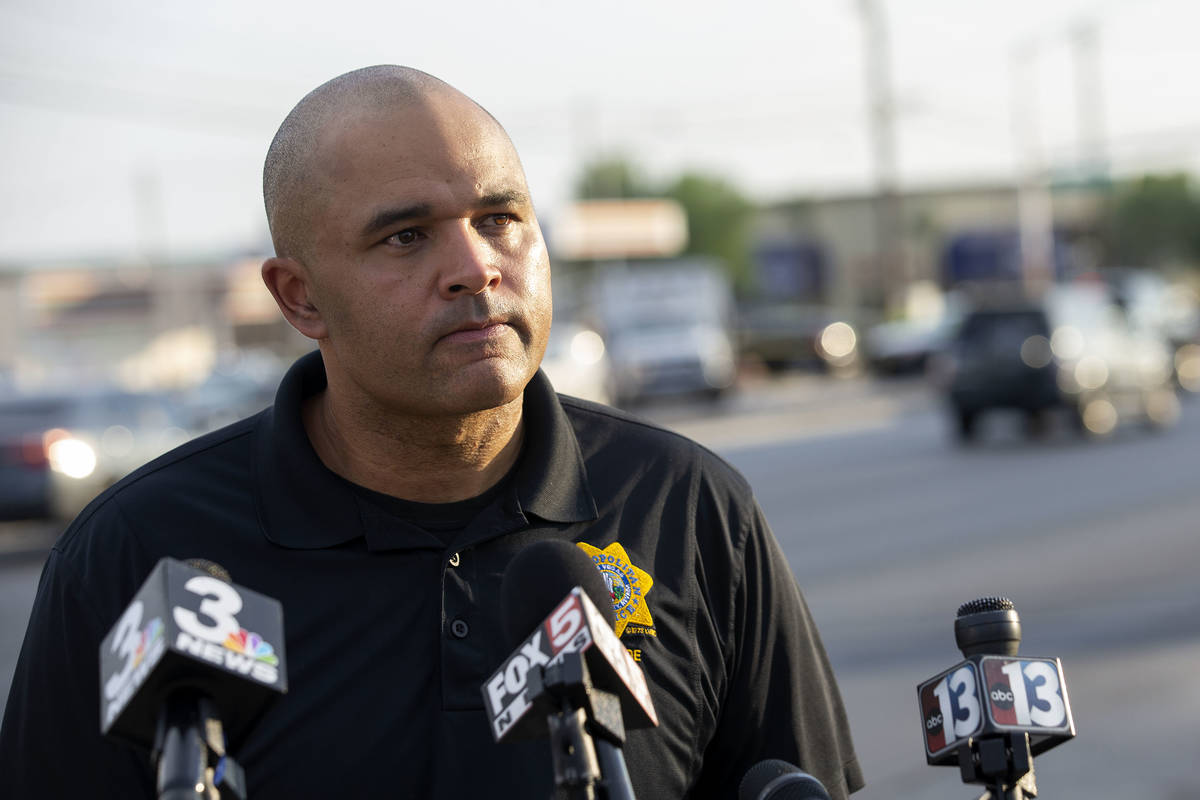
137	128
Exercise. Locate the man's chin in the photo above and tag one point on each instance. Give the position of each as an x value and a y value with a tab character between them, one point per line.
484	386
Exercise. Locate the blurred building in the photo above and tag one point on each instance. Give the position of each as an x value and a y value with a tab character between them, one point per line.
824	250
140	326
168	324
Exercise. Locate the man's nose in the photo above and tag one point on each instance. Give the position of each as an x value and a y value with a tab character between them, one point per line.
471	265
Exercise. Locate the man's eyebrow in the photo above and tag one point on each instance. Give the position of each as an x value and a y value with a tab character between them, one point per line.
387	217
510	197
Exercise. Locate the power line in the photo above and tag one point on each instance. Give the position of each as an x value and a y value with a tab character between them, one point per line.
77	96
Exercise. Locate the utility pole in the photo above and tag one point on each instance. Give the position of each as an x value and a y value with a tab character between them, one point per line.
886	205
1089	100
1035	206
150	214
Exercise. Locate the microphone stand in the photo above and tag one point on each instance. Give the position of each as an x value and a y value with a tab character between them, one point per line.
586	734
1002	763
189	751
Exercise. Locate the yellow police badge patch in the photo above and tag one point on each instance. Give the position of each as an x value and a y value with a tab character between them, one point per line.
627	586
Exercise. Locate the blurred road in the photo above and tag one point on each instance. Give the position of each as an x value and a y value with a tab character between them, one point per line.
889	527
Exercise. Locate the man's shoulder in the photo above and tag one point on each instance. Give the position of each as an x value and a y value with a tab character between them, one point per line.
203	471
608	433
195	463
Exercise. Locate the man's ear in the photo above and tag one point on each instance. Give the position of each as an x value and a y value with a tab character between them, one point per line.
288	283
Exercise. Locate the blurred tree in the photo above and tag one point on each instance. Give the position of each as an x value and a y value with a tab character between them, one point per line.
1154	221
719	219
612	177
718	215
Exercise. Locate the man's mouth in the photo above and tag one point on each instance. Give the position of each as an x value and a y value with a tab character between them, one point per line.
481	331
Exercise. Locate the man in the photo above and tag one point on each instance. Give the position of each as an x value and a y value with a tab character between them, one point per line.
397	474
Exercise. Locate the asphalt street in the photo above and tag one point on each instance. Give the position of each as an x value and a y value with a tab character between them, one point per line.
889	526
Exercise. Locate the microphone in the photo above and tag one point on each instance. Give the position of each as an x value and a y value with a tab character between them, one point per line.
775	779
538	578
571	678
989	625
991	713
191	656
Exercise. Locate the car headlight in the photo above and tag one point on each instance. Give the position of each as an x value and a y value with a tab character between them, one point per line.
1066	343
1067	383
1036	351
117	441
1091	372
1187	367
587	347
72	457
837	343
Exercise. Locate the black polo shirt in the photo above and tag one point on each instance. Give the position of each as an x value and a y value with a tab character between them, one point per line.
391	631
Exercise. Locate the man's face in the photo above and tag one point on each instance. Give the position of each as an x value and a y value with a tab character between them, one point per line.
427	263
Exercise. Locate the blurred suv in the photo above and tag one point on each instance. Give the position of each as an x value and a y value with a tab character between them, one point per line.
58	451
1073	350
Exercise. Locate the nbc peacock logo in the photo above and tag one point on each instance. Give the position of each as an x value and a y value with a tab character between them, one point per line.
251	644
150	634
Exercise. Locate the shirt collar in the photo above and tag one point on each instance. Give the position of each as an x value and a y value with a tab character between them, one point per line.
303	505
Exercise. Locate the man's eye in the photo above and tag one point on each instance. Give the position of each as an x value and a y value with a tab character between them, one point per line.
501	219
404	237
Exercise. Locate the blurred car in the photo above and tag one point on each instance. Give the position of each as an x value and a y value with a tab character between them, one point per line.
654	358
904	347
668	325
577	362
58	451
1169	310
1072	350
786	335
225	397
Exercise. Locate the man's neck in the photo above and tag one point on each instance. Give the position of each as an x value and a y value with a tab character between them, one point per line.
424	460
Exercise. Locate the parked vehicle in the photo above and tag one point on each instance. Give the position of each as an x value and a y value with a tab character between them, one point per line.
226	396
58	451
1073	349
1171	311
669	328
787	335
577	362
904	347
671	357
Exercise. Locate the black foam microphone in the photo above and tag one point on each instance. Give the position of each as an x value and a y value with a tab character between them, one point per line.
989	625
571	679
539	577
191	657
775	779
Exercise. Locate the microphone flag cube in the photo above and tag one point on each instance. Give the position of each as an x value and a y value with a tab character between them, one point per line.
988	695
187	629
574	626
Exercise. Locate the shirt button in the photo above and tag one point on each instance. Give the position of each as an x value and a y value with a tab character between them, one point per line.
459	628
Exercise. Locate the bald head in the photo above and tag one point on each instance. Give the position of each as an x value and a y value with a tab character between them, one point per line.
291	186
